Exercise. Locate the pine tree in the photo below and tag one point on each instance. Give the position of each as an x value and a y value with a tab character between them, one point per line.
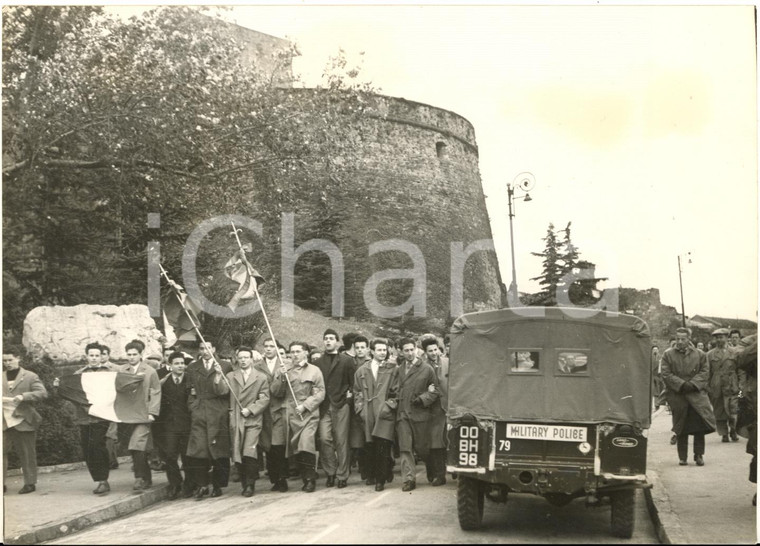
552	269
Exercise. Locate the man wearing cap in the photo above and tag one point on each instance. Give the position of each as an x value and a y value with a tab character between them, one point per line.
723	386
685	373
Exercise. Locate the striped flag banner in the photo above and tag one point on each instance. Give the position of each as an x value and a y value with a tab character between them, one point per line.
114	396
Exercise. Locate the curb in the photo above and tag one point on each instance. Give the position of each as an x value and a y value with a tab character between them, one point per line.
666	521
83	521
64	467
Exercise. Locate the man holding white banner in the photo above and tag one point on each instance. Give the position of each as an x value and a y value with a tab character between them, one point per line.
21	388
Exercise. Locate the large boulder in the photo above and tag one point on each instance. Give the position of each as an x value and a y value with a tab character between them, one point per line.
61	333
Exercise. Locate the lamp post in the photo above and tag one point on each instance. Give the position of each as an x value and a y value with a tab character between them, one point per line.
524	182
680	284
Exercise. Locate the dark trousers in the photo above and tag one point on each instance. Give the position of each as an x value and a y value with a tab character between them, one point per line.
378	459
435	464
277	463
249	471
24	444
173	446
141	466
307	465
92	438
683	445
199	470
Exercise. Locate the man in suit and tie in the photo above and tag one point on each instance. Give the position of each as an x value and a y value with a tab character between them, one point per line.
249	400
172	427
21	389
274	432
418	391
209	444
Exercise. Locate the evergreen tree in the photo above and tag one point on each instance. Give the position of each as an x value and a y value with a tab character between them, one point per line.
552	269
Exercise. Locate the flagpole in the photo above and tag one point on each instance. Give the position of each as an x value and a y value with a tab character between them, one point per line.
264	313
197	331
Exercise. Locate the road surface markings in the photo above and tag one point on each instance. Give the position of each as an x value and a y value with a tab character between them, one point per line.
323	534
373	501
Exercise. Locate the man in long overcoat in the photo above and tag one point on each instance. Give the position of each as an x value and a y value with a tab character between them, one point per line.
375	392
685	372
209	443
140	439
436	461
723	385
418	391
22	389
249	388
356	439
274	431
303	412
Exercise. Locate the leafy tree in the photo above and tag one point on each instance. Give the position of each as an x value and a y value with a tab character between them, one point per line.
105	121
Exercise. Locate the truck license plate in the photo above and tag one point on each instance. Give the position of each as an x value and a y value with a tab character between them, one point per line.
527	431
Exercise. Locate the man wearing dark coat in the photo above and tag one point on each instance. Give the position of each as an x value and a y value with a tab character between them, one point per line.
209	442
21	390
418	391
685	373
172	427
435	464
334	413
375	392
356	439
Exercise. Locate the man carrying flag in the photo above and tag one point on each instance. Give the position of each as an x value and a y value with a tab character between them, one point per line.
140	440
92	429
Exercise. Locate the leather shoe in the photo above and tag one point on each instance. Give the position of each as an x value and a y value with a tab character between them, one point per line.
310	486
283	486
699	460
216	492
330	481
174	492
673	440
408	486
734	437
438	481
379	486
28	488
342	484
724	439
248	491
682	462
201	492
102	488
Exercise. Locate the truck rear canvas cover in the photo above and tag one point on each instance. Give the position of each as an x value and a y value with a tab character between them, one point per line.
614	386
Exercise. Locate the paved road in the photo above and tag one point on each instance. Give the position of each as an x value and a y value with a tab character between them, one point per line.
358	514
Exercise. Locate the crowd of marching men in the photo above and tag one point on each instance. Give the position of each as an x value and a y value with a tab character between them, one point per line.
293	410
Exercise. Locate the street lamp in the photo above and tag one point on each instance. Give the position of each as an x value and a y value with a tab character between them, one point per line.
524	182
680	284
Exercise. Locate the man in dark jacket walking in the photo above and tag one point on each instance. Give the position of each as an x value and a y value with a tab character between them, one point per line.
172	427
334	412
685	373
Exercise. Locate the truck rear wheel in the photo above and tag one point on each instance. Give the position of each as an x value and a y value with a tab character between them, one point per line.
622	513
469	503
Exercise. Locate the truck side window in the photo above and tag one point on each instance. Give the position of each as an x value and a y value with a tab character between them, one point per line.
572	362
524	361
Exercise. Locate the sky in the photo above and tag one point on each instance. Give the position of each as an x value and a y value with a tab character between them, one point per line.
638	124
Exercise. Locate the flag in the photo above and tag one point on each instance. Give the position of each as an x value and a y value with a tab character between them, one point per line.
240	270
177	325
114	396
